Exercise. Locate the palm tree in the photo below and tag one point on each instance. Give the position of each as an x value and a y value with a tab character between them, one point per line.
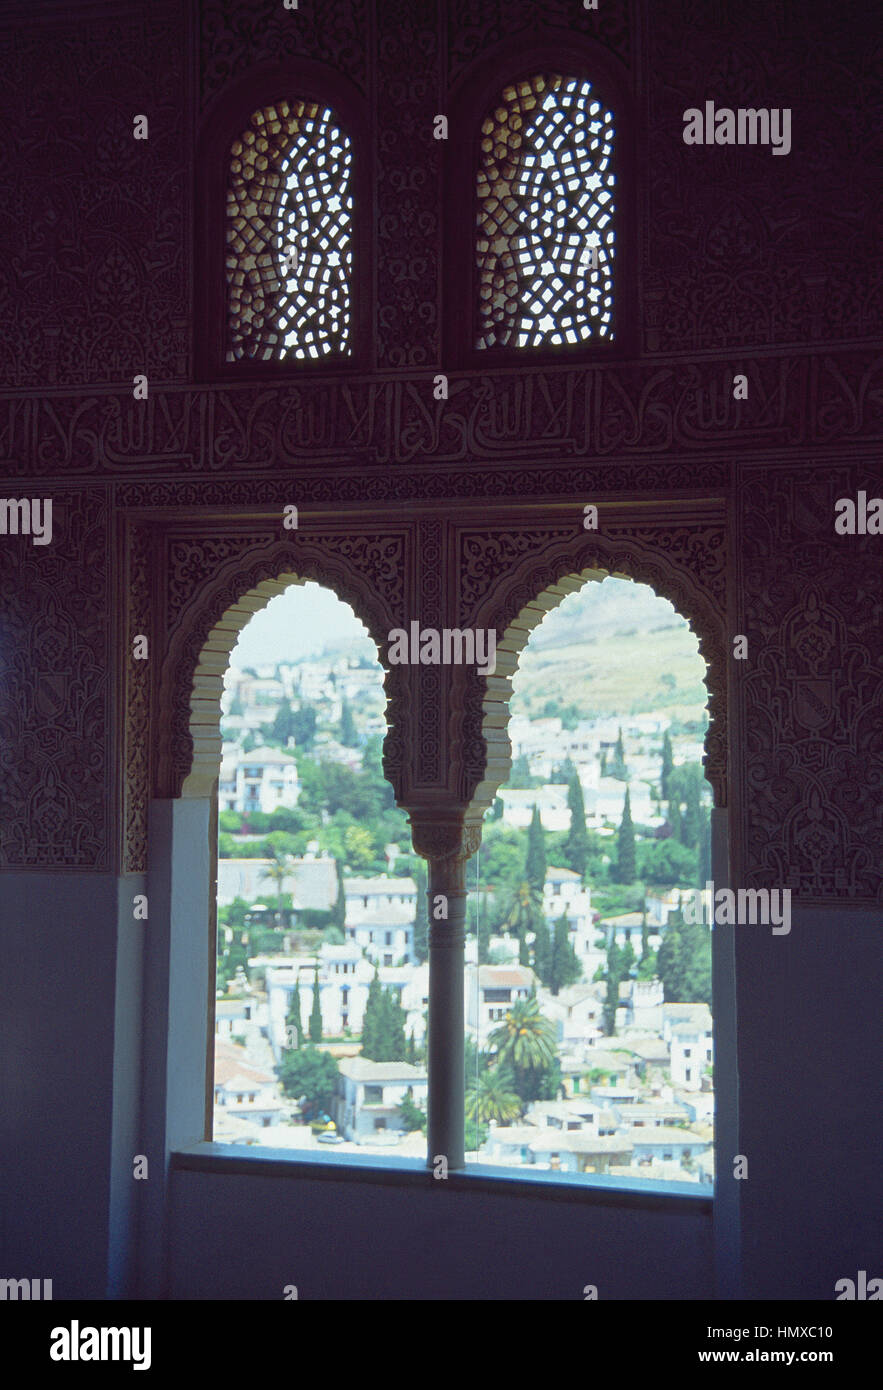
277	871
523	909
524	912
525	1038
490	1097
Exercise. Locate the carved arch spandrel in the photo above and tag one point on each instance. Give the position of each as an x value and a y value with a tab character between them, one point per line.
223	592
511	579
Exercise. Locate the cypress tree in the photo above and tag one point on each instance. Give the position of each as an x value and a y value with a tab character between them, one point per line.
692	823
349	736
338	907
576	847
668	959
667	766
704	868
542	951
421	916
535	862
316	1011
674	819
395	1018
292	1018
370	1031
624	871
619	768
611	1002
565	967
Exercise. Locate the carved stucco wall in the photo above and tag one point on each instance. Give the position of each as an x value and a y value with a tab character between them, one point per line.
736	277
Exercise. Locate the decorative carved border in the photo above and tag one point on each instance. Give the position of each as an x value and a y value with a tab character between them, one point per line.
632	416
366	571
510	579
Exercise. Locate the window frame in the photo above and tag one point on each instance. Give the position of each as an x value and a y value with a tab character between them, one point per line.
223	121
468	103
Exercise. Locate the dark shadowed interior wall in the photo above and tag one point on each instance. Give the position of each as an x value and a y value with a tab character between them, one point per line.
453	511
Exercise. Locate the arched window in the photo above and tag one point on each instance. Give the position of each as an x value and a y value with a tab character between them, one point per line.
289	236
546	237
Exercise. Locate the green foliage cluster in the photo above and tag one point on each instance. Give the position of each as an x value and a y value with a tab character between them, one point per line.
684	961
311	1074
383	1027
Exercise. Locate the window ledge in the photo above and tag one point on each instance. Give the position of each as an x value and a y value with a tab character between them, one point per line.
599	1190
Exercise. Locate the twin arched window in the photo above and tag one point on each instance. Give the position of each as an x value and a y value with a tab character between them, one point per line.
544	226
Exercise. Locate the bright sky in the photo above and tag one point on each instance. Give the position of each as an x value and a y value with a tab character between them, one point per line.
296	624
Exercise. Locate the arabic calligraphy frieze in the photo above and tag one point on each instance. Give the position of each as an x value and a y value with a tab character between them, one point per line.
598	412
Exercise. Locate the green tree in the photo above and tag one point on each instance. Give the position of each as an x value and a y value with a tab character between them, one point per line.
576	848
294	1024
624	869
673	817
316	1012
613	975
338	907
564	967
703	873
383	1027
618	768
394	1018
692	825
669	959
520	775
542	951
276	872
523	915
491	1096
648	967
371	1018
421	913
281	728
310	1076
666	862
535	860
412	1117
349	735
525	1040
475	1135
302	726
667	766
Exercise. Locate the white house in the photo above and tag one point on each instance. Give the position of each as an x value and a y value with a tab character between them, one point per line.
369	1096
551	800
312	881
366	896
244	1090
664	1144
385	934
577	1012
692	1049
491	990
261	780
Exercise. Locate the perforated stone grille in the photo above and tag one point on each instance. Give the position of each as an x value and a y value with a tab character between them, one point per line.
545	246
289	236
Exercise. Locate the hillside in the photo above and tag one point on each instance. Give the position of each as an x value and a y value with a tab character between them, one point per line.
612	648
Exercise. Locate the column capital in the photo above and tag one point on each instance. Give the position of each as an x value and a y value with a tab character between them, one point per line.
444	836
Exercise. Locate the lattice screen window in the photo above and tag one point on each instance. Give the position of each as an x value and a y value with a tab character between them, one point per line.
545	245
289	236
